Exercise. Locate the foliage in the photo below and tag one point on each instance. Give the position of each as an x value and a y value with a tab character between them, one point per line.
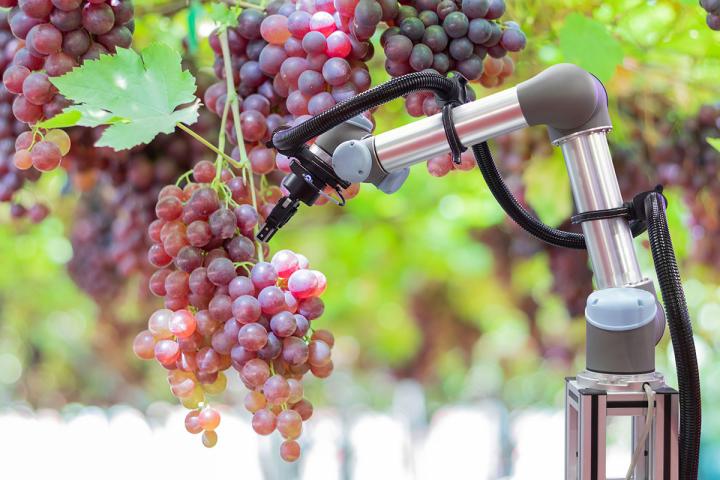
137	95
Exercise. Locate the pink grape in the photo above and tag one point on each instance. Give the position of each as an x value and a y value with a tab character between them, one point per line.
192	422
274	29
338	44
289	424
264	422
318	353
144	345
290	450
303	283
246	309
322	22
209	418
256	372
276	390
285	263
167	351
272	300
182	324
254	401
295	351
252	337
283	324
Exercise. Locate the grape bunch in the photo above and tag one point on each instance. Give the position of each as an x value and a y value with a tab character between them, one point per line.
290	61
57	36
451	36
11	178
225	306
114	214
712	7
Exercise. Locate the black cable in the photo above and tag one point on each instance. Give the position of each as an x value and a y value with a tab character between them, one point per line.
681	334
516	211
525	219
289	140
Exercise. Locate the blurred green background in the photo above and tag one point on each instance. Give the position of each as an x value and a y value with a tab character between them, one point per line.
432	283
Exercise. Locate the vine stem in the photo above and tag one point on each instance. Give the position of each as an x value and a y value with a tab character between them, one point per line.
235	107
200	139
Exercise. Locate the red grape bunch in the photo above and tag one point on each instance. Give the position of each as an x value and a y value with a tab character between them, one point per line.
291	61
11	178
225	306
119	204
712	7
58	35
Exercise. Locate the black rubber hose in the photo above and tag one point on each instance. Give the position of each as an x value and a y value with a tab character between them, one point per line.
525	219
289	140
517	212
681	334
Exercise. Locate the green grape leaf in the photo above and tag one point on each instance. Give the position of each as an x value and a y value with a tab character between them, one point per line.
138	95
714	142
223	15
588	44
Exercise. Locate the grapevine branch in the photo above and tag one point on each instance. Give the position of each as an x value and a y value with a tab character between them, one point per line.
235	107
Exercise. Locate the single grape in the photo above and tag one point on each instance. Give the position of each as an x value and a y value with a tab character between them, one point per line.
182	324
318	353
252	337
274	29
22	159
264	422
295	351
336	71
167	351
254	401
192	422
209	438
46	156
209	418
304	408
276	390
144	345
255	372
289	424
98	18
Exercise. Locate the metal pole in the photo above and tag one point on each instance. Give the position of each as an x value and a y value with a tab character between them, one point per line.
595	187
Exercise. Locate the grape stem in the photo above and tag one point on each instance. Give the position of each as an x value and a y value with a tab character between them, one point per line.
200	139
234	105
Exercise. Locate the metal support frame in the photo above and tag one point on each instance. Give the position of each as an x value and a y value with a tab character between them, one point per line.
586	414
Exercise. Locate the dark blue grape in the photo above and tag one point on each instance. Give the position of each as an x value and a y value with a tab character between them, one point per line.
388	34
513	40
412	28
435	38
497	51
441	62
496	9
406	11
461	49
471	68
456	24
475	8
368	13
445	8
428	18
479	31
421	57
495	35
249	23
397	68
398	48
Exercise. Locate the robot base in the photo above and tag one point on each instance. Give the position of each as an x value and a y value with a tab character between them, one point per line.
591	398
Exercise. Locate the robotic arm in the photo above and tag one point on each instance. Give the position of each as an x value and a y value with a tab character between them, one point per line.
624	319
